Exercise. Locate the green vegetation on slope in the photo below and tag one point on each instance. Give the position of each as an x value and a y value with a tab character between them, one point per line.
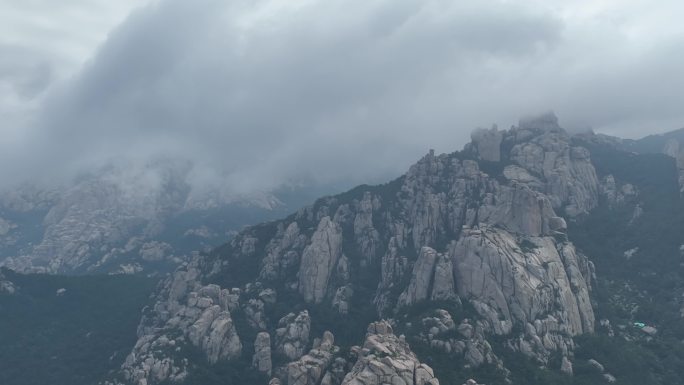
645	287
69	339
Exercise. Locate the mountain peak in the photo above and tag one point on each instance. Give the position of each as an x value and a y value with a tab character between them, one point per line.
547	121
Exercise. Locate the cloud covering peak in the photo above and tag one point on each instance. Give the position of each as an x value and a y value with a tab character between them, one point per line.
257	93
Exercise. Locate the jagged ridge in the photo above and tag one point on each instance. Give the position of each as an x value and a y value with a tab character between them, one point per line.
477	226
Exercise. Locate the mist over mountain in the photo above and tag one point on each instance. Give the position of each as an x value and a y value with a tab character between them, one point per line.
532	256
257	94
306	192
130	219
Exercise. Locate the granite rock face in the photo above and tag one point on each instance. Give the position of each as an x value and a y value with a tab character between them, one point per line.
523	283
319	259
432	279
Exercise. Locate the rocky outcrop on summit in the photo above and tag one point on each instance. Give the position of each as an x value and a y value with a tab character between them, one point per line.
443	194
542	147
545	159
387	359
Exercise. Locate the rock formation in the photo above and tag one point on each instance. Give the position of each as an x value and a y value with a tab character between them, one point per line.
319	259
543	148
387	359
522	282
292	335
313	368
186	313
468	343
485	227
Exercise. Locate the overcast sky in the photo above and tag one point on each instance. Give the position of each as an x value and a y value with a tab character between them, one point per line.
258	92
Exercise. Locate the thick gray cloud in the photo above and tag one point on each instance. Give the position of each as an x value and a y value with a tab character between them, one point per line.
256	93
42	42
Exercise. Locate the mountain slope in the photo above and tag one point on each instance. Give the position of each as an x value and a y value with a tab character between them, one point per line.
126	220
635	240
464	254
67	330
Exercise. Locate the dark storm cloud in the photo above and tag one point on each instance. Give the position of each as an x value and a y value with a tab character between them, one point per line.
258	93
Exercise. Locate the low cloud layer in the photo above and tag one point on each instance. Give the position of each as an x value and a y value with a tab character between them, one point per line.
257	93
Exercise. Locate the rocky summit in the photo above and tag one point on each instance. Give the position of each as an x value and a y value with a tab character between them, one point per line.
466	256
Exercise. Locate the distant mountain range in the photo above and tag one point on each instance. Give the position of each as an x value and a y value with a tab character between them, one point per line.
128	220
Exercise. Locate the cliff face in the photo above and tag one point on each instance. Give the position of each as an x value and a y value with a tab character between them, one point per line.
482	229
